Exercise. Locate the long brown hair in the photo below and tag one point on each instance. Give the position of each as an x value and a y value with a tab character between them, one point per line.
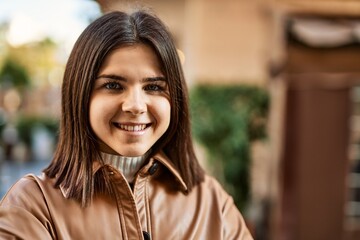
76	149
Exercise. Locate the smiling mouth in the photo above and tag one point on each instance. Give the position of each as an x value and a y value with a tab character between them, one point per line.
132	127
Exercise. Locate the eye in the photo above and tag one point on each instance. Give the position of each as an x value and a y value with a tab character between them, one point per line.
113	86
154	87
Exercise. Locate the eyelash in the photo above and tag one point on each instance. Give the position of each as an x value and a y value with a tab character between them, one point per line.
150	87
118	87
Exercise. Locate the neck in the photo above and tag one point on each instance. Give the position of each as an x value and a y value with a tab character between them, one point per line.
128	166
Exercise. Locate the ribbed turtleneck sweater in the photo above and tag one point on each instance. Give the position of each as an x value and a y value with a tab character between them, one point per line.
128	166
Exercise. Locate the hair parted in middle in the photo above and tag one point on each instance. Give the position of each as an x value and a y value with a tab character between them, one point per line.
77	145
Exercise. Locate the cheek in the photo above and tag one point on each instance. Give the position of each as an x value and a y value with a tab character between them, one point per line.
164	113
100	112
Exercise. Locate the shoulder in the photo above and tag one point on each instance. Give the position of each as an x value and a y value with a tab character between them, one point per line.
211	192
24	211
213	186
25	192
233	223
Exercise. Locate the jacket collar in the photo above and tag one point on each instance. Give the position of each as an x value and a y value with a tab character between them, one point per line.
159	157
164	160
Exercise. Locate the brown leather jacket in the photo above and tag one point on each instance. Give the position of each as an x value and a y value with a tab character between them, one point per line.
34	209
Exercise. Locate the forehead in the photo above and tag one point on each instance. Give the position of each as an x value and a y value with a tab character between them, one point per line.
140	55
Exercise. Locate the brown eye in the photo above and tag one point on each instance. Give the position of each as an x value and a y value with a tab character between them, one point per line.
153	87
113	85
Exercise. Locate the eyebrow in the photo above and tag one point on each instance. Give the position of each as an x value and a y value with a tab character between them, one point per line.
121	78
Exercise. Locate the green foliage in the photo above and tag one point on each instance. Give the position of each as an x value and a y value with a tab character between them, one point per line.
13	74
225	120
27	124
2	121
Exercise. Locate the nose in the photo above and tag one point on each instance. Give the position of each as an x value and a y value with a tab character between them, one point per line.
134	102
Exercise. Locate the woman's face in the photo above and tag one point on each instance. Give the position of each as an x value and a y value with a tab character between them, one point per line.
129	104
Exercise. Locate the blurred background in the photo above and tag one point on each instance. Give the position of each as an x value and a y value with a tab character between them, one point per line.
274	90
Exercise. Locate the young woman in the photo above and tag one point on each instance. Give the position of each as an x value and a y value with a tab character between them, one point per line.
124	167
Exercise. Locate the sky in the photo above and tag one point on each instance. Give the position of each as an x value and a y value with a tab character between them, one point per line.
34	20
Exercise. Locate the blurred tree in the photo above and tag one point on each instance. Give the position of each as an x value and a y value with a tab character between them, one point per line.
27	124
226	119
14	75
40	59
29	73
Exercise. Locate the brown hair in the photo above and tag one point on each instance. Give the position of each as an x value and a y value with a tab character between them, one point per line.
76	149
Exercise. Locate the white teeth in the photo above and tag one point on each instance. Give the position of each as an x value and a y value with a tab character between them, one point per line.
133	128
